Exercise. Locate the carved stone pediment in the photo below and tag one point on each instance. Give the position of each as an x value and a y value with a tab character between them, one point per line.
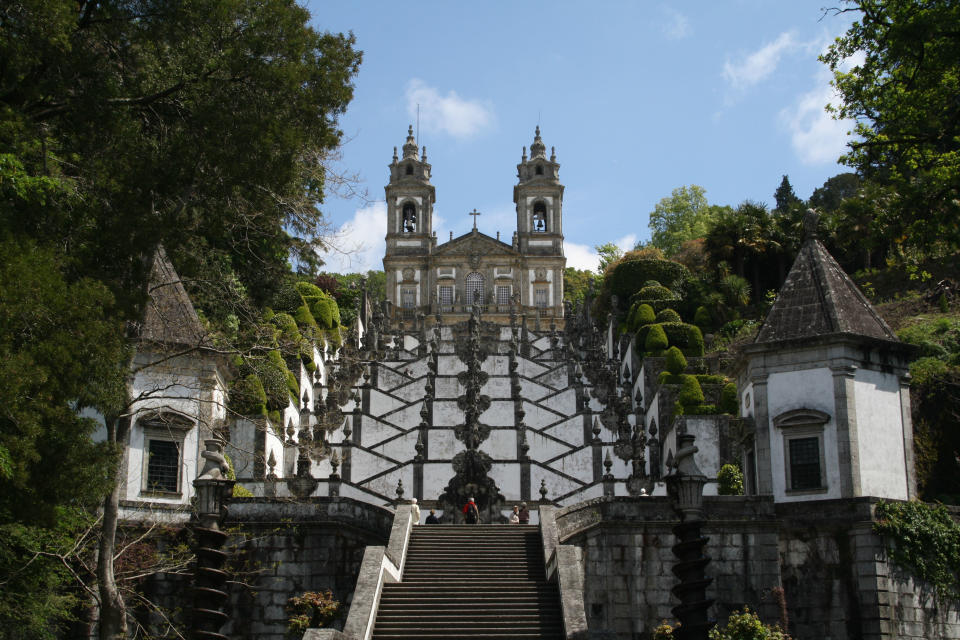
475	244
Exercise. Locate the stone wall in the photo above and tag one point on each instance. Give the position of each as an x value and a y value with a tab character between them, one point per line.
296	547
837	582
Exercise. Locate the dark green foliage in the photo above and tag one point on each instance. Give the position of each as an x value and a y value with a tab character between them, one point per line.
730	480
286	299
666	377
640	314
701	410
704	378
668	315
313	609
729	402
655	292
685	336
702	318
623	280
676	363
656	339
326	313
924	539
943	303
272	372
690	393
746	626
293	387
247	396
305	319
784	196
289	332
935	400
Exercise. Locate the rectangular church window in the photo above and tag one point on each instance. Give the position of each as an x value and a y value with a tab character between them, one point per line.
503	295
446	295
804	463
540	298
408	298
163	466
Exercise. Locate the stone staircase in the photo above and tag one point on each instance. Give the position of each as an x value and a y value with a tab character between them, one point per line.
471	581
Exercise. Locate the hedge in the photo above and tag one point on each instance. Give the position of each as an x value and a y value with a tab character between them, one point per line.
676	363
640	314
625	278
668	315
656	339
690	393
729	403
680	334
247	397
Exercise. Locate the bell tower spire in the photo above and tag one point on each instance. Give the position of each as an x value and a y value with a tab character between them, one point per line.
539	199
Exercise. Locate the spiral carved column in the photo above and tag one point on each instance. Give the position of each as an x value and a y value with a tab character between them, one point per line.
210	580
685	486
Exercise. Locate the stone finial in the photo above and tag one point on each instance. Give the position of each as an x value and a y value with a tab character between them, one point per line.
400	489
523	158
553	154
608	463
423	154
395	158
334	464
811	223
272	465
410	146
596	430
538	149
543	482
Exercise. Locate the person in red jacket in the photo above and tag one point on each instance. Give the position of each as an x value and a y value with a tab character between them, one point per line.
471	514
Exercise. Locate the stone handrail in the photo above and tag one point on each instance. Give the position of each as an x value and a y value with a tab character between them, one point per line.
380	565
562	563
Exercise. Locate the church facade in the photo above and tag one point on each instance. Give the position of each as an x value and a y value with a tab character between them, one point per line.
425	276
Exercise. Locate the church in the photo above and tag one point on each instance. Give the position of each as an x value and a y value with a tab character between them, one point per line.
473	380
429	276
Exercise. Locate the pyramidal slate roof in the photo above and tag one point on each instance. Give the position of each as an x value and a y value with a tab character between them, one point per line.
818	298
170	317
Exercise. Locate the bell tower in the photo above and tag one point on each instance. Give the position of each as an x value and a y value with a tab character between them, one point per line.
410	235
539	199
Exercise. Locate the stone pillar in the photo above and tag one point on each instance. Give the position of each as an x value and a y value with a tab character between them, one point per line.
763	435
845	416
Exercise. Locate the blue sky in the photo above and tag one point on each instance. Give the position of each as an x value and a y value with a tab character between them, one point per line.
638	98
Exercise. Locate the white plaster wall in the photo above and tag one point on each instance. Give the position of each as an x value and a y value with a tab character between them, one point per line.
569	431
807	389
443	444
500	414
543	448
578	463
883	471
555	378
507	477
380	403
436	476
539	417
501	445
402	448
707	434
448	388
373	431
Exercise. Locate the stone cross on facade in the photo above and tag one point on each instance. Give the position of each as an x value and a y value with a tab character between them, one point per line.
474	213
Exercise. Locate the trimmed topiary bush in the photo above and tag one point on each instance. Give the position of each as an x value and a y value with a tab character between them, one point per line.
676	363
656	340
247	396
690	393
623	279
287	298
686	336
705	378
729	402
640	314
668	315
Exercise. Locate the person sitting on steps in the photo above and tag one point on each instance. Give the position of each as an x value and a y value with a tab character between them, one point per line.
432	518
515	516
471	514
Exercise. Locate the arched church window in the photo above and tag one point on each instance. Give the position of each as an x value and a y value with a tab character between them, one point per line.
409	218
474	289
539	216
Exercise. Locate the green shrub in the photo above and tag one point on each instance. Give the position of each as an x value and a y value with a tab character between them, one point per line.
668	315
305	319
685	336
701	410
624	279
656	340
730	480
293	387
746	626
666	377
289	331
665	631
729	403
655	292
690	392
943	303
309	290
286	298
326	312
247	396
313	609
640	314
676	363
705	378
702	318
272	372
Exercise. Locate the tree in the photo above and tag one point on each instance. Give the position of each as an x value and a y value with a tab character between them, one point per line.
203	126
827	198
685	215
609	253
576	283
903	96
784	195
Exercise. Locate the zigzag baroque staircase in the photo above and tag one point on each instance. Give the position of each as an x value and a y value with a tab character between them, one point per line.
471	581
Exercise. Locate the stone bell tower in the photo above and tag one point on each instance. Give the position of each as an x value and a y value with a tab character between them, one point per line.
538	195
410	236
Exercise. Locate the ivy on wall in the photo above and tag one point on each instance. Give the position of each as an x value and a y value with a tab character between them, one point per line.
924	539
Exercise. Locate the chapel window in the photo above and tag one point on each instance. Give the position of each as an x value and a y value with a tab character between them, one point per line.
540	297
804	463
802	433
503	295
163	466
409	218
446	296
409	170
539	216
539	170
408	297
474	289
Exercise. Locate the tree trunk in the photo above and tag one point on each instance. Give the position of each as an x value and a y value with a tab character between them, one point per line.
113	611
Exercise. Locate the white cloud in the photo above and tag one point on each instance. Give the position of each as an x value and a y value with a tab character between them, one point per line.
816	137
675	26
450	114
581	256
359	244
756	66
